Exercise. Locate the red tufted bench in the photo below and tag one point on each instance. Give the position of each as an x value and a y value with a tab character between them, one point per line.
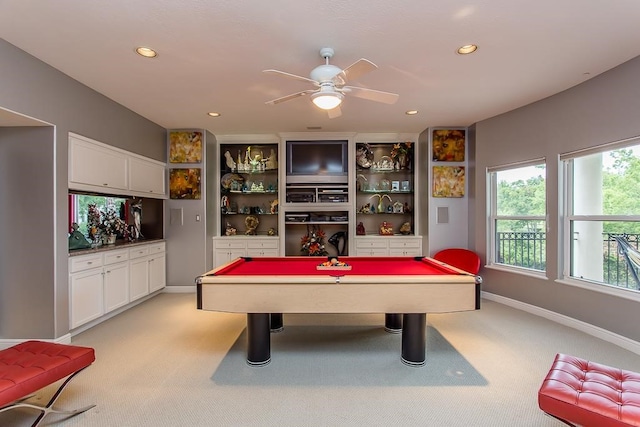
577	391
29	366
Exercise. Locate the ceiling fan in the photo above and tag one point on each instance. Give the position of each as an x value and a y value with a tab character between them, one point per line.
331	84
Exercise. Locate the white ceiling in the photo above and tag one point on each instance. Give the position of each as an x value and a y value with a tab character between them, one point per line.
212	53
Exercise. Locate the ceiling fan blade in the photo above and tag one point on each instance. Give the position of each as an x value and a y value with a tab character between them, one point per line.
289	97
291	76
354	71
371	94
334	112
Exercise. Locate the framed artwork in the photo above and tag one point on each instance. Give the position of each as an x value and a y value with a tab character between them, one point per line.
185	147
448	181
448	145
184	184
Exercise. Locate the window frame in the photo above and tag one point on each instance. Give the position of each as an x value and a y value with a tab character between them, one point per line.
493	217
566	167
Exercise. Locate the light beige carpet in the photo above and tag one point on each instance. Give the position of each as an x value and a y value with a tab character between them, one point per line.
164	363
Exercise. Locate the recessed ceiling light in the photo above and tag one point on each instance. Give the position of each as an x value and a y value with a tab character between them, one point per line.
147	52
411	112
467	49
214	114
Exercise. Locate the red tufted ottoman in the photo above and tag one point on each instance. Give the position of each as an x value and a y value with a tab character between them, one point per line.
29	366
590	394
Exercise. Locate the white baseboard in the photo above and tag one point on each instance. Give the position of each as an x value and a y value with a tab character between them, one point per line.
65	339
191	289
603	334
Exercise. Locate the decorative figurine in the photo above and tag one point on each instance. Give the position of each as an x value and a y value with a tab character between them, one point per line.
274	206
271	232
386	229
230	163
251	222
136	212
405	228
224	204
230	231
360	231
77	239
272	162
336	239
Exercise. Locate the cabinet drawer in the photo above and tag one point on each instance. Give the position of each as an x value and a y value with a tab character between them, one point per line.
116	256
371	243
227	244
262	244
138	252
402	244
405	252
156	248
86	262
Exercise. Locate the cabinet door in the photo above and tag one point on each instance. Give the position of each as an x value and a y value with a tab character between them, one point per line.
146	177
223	256
86	289
116	286
157	272
96	165
138	278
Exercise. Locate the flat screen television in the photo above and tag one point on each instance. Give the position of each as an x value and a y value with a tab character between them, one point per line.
317	162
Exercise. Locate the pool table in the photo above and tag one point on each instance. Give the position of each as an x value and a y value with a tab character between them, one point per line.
404	288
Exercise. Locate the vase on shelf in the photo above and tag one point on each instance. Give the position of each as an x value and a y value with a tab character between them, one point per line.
403	161
110	239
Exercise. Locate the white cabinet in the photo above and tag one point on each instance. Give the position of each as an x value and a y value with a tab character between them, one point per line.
147	270
96	165
86	296
157	267
85	289
388	246
116	279
146	176
107	280
138	272
226	249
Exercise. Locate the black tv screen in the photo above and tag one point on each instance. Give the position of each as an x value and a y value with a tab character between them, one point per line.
316	161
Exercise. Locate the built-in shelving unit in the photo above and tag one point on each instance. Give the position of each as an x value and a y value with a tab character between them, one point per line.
249	189
385	198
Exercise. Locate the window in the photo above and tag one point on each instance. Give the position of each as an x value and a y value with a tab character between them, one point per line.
602	215
517	216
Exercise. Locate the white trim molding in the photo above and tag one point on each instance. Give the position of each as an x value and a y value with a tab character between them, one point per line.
603	334
65	339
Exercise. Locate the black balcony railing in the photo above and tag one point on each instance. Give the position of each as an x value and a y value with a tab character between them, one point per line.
522	249
527	249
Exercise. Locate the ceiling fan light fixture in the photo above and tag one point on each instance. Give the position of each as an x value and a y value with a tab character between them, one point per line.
327	100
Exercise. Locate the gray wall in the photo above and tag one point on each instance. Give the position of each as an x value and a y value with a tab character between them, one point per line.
26	264
30	87
189	238
603	109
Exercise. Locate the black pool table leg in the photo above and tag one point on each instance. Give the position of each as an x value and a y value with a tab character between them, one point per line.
277	324
414	339
393	323
258	339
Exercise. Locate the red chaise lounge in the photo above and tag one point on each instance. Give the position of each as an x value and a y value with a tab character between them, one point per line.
27	367
579	392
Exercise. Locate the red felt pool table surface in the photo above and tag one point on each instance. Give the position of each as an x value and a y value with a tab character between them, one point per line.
294	266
